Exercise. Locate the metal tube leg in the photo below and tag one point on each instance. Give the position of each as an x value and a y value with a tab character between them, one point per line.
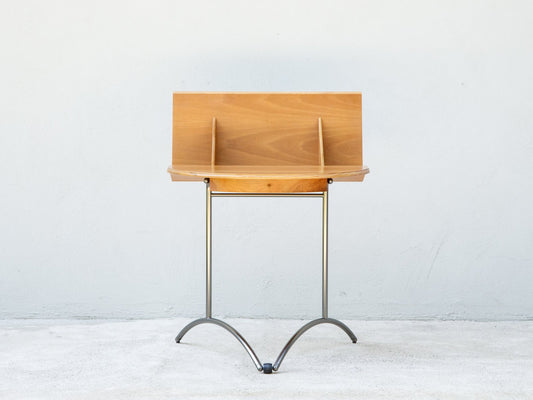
325	255
267	367
324	319
208	258
230	329
306	327
208	289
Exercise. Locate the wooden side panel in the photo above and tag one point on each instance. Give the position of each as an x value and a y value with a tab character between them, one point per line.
267	128
268	185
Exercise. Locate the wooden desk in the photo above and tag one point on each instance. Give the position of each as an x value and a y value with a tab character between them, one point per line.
271	141
267	144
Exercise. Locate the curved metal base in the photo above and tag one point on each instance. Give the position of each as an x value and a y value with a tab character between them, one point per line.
267	368
230	329
303	329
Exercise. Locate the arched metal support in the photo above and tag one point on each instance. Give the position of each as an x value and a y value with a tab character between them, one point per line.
266	368
306	327
230	329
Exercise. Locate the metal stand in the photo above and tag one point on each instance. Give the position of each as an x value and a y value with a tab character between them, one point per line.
266	368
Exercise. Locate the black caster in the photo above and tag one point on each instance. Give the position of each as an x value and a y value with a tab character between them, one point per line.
267	368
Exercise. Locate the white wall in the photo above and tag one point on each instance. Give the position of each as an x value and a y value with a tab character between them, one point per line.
91	225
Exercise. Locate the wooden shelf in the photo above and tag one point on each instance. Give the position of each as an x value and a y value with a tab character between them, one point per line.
354	173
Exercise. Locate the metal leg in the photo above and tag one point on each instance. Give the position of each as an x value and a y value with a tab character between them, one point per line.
324	319
230	329
208	258
325	255
267	367
303	329
208	289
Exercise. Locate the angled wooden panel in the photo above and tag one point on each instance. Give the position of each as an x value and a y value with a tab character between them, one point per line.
268	185
267	128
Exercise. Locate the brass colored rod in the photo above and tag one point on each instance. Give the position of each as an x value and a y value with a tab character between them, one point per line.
208	257
325	256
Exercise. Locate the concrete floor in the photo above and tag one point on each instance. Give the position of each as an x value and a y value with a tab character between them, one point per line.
101	359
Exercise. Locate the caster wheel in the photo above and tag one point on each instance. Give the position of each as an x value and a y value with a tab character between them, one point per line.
267	368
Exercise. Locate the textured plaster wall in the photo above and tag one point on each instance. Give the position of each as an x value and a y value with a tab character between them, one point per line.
91	226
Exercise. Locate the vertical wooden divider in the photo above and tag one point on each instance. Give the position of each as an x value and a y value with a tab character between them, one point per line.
213	141
320	143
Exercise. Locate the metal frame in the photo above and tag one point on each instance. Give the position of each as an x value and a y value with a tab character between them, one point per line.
267	367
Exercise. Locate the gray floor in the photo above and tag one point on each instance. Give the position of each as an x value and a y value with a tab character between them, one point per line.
69	359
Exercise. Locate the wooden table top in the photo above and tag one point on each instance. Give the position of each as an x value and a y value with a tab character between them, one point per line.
335	172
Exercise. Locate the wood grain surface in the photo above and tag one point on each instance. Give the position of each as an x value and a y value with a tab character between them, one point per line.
267	128
336	172
251	138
